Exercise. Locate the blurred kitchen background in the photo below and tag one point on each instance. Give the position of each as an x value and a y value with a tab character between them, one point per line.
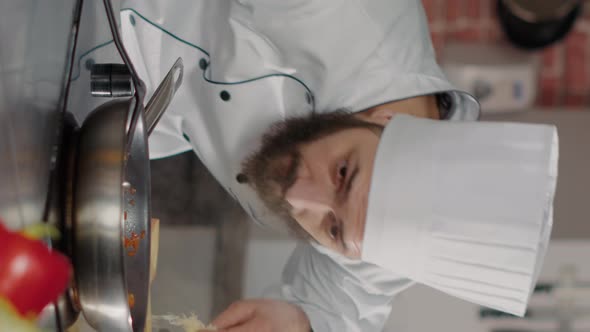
564	66
526	60
211	255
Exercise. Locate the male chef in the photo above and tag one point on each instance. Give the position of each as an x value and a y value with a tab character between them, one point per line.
332	118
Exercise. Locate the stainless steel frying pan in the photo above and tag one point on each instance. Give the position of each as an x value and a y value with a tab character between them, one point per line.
111	219
111	203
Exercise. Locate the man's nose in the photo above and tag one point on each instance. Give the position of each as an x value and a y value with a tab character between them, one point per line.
305	194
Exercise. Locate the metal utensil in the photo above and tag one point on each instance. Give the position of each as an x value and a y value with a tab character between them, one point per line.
163	95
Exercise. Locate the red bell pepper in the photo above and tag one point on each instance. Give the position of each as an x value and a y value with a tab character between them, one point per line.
31	275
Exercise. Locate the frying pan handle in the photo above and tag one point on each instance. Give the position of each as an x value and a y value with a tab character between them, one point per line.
137	82
163	95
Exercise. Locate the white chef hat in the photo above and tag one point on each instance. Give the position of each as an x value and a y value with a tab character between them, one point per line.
463	207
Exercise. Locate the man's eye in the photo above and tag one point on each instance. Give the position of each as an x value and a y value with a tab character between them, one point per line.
342	170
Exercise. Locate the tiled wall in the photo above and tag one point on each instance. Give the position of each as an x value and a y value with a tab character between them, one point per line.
564	78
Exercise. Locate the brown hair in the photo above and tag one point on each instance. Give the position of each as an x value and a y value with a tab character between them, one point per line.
272	170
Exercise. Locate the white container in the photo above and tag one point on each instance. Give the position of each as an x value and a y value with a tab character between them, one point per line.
500	77
424	309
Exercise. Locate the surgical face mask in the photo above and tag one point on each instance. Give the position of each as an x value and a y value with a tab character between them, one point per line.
463	207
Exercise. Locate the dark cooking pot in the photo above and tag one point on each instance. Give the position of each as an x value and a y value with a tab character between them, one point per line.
534	24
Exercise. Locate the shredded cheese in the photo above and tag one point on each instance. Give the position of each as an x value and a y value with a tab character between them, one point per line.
190	323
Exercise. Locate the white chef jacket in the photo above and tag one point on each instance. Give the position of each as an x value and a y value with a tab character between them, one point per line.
249	63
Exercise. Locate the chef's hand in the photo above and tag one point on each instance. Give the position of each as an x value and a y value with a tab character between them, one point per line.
262	316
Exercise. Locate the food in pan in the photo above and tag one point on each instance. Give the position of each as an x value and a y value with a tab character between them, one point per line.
131	243
131	300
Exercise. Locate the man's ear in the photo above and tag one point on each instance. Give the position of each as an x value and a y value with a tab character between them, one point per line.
380	115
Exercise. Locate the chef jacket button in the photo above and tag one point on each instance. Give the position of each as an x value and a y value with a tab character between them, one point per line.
225	96
203	64
242	178
308	97
89	63
132	20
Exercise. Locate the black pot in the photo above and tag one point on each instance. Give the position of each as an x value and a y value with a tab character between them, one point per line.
530	27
